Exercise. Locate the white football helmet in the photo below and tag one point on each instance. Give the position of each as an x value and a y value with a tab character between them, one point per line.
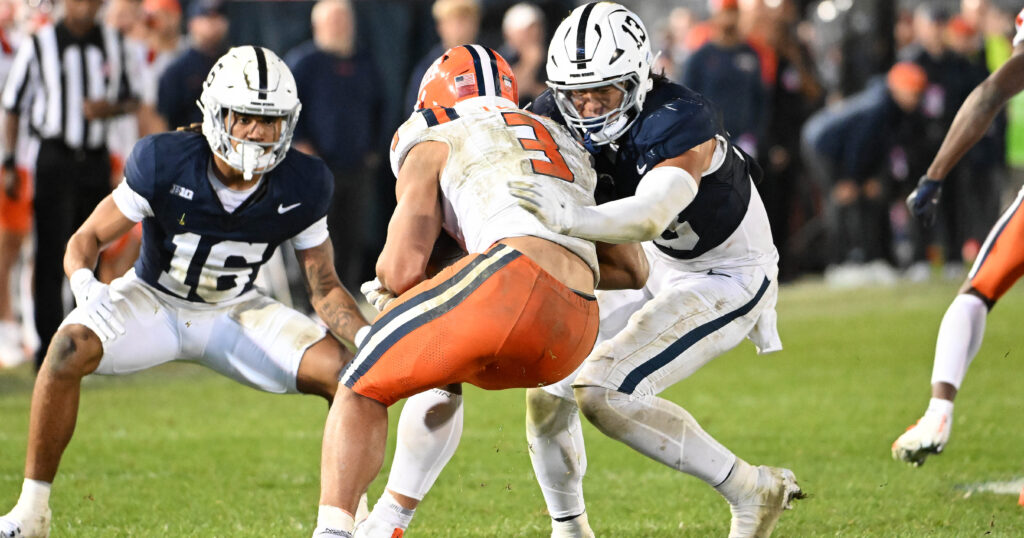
600	43
249	80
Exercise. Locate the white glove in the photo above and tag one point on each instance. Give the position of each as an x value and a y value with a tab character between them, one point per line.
376	294
549	211
93	297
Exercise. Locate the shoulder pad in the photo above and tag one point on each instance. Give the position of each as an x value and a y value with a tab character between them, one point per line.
675	126
414	131
140	167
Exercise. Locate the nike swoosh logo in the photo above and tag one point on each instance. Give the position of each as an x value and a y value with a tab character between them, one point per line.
281	208
641	169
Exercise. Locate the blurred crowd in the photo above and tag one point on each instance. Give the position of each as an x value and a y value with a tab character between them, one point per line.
843	104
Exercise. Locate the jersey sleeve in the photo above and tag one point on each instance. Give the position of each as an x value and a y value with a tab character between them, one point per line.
130	203
312	236
415	130
140	171
544	105
20	76
675	127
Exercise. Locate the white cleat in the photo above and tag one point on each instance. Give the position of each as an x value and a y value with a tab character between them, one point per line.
12	526
928	436
372	527
757	513
327	532
577	527
362	511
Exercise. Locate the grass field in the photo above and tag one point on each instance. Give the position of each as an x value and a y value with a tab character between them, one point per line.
179	451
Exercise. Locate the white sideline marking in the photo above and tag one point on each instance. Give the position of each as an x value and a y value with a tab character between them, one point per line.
1011	487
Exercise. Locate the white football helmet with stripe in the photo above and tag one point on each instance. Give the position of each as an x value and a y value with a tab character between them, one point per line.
249	80
600	43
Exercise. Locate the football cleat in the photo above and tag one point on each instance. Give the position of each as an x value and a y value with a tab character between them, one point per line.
928	435
374	528
327	532
757	512
12	526
577	527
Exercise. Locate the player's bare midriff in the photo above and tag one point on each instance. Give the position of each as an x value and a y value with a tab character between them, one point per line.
557	260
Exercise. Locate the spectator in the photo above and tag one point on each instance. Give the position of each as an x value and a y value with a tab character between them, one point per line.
339	88
458	23
727	71
73	166
525	48
845	147
182	82
950	79
163	46
15	209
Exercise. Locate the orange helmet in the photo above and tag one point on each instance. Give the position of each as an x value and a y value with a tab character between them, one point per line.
466	71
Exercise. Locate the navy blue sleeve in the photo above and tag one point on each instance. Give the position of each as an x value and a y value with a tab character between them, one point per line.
140	168
325	182
544	105
676	127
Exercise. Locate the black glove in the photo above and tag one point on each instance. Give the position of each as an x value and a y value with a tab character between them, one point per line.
924	201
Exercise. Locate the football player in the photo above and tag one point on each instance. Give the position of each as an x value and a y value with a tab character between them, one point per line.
517	311
998	266
680	186
214	206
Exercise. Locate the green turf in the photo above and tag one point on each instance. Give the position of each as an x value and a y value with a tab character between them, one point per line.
179	451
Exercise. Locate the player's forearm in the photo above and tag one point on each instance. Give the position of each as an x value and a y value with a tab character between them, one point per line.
969	126
340	313
11	121
659	198
83	251
623	266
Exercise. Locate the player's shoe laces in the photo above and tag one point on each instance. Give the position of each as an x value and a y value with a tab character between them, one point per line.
577	527
928	436
756	514
17	526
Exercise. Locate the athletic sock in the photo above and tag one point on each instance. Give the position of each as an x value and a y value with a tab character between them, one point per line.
388	511
741	479
334	518
960	335
429	430
35	497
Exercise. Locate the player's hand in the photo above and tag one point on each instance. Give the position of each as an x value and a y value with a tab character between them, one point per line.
924	201
548	210
376	294
94	296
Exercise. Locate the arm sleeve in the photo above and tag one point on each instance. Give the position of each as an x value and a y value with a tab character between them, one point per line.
312	236
134	206
660	196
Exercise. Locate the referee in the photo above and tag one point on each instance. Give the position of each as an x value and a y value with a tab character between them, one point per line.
73	76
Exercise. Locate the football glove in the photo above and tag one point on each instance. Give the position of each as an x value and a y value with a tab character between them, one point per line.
376	294
924	201
549	211
93	297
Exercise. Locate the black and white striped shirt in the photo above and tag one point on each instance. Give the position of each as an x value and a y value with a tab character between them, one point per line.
56	72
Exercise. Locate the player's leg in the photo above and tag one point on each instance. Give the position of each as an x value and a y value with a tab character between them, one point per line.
999	265
428	433
15	224
74	352
553	432
689	322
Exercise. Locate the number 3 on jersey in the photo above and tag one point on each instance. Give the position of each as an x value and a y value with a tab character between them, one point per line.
540	141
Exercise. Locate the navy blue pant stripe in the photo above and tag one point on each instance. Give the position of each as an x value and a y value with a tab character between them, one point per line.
478	68
680	346
379	349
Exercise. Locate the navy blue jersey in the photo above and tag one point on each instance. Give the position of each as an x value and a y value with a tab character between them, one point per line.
192	247
674	119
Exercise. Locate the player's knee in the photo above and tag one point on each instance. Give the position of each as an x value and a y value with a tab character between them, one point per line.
596	403
543	411
74	352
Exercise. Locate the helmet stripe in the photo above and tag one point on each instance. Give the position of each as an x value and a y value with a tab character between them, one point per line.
261	64
478	67
581	33
494	66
